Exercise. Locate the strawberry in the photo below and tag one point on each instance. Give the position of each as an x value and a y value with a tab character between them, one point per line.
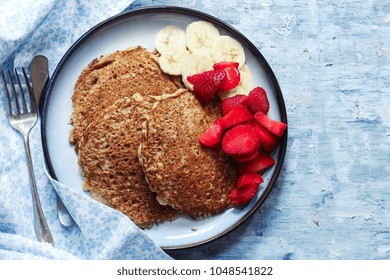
238	114
255	101
229	103
244	194
259	164
276	127
244	159
267	139
212	136
231	80
206	84
258	101
249	178
246	187
240	140
225	64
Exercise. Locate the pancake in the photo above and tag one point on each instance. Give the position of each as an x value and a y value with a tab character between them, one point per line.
193	179
108	158
111	77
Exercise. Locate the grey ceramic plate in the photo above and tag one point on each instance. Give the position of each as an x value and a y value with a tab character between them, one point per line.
139	27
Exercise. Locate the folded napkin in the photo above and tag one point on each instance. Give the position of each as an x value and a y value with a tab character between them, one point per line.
49	27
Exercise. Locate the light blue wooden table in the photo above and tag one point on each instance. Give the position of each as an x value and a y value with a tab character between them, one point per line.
332	198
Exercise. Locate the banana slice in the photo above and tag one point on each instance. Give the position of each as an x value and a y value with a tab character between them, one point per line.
171	61
197	62
226	48
244	87
247	72
170	37
200	35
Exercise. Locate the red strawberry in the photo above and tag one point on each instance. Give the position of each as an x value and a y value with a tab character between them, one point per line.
225	64
231	80
249	178
238	114
229	103
206	84
244	159
262	162
246	187
240	140
273	126
212	136
244	194
258	101
268	140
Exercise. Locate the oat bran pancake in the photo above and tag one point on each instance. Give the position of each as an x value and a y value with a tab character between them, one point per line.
185	175
110	77
108	158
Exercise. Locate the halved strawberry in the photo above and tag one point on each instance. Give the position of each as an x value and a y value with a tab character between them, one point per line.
257	101
259	164
268	140
229	103
273	126
239	114
225	64
240	140
212	136
206	84
249	178
242	195
246	158
231	80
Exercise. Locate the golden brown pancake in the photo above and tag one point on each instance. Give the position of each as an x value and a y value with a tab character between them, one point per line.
111	77
185	175
108	158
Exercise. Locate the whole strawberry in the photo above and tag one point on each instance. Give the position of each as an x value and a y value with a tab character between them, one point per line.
257	101
229	103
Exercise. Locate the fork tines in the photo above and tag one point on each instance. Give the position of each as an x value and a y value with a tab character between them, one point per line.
12	93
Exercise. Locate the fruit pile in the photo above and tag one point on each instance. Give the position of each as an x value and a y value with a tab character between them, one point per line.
244	132
196	49
209	64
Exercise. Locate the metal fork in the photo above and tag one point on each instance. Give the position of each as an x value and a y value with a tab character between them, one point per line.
23	117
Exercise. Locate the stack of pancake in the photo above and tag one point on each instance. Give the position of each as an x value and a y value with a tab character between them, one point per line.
136	131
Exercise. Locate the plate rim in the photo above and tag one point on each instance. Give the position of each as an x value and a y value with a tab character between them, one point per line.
191	12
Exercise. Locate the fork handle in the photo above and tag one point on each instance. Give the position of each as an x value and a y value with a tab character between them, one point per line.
42	230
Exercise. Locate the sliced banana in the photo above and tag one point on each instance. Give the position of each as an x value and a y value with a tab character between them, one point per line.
247	72
197	49
244	87
200	35
172	61
226	48
197	62
170	37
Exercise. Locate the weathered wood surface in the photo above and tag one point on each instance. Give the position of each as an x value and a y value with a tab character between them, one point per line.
332	199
